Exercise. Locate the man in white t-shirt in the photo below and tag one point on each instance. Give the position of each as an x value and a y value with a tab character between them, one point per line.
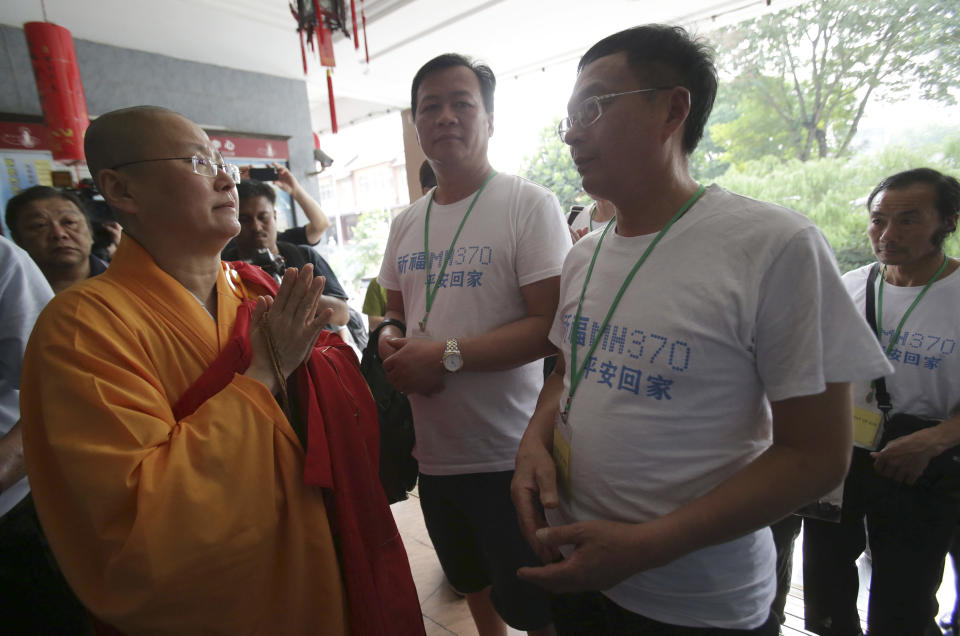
696	402
909	521
594	217
34	597
472	269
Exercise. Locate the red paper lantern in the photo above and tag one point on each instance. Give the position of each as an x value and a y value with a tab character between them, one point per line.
58	83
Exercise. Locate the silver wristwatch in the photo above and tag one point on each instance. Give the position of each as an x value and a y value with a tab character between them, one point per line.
452	358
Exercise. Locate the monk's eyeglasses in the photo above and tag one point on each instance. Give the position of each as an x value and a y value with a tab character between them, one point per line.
201	166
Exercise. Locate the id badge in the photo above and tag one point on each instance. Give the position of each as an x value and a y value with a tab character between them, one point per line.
562	438
867	427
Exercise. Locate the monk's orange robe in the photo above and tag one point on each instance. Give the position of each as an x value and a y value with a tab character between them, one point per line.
197	526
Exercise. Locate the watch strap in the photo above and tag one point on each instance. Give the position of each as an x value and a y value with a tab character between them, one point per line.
451	349
452	346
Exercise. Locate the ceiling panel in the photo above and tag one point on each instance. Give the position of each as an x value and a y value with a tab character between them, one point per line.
514	36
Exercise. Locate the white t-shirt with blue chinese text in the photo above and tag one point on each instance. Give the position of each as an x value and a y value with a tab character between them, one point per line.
926	358
515	236
738	305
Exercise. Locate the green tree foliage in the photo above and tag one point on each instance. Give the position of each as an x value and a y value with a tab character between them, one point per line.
833	192
361	258
552	167
804	77
709	160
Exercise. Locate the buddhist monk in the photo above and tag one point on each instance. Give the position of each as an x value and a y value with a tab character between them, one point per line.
192	446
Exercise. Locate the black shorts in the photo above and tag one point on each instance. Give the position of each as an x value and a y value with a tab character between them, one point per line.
593	614
474	529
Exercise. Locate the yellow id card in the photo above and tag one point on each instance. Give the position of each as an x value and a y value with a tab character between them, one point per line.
866	428
561	453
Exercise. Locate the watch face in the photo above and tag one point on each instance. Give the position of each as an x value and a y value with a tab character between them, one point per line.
452	362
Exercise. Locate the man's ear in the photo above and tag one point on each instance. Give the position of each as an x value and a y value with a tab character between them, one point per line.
490	124
115	189
678	108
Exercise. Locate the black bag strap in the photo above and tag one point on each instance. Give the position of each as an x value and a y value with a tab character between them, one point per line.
880	384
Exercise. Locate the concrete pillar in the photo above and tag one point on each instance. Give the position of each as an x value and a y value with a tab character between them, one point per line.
412	153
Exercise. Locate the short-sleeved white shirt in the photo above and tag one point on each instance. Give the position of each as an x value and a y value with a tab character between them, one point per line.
584	220
515	236
739	304
926	358
23	293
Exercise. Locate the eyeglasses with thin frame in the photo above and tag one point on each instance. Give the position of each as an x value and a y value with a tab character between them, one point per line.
201	166
590	110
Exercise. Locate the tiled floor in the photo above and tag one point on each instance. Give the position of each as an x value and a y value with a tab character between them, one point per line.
444	613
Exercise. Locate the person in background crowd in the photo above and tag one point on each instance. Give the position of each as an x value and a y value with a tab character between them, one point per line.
374	304
479	298
909	522
258	243
694	403
785	533
52	226
596	216
106	237
34	598
428	179
106	230
317	221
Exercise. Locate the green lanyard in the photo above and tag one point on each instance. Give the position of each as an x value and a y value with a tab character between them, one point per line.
916	301
432	294
576	374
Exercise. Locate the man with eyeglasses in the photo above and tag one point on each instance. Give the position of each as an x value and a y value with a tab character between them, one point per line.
187	469
706	345
471	273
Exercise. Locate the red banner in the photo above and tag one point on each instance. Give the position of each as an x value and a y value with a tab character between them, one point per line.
58	83
268	149
21	136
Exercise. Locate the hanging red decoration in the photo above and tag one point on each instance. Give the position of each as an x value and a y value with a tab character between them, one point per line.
363	20
353	17
319	19
325	47
303	53
61	91
333	105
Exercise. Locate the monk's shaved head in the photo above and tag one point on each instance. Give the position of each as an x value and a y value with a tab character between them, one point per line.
122	135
